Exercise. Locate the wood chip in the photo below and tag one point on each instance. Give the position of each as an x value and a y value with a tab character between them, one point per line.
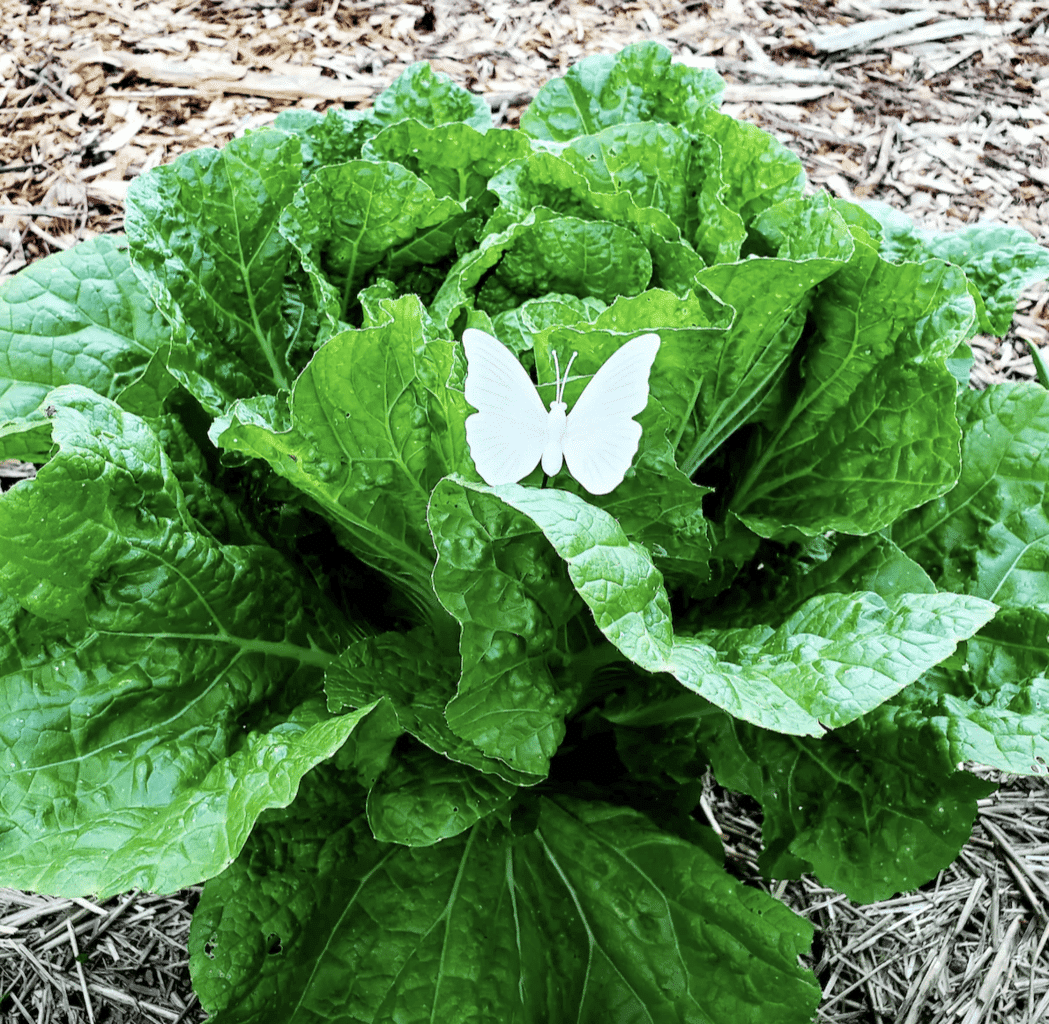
221	77
776	93
867	32
948	29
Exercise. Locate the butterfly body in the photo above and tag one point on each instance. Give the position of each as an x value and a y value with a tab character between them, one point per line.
556	424
512	431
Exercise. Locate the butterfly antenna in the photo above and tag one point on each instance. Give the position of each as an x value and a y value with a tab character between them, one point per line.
557	379
561	389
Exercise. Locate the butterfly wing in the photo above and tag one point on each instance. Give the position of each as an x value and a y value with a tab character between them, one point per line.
507	434
601	437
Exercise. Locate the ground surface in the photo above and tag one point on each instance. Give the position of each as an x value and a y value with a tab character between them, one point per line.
945	117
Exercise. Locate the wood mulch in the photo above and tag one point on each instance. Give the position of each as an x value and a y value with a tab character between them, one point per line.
939	108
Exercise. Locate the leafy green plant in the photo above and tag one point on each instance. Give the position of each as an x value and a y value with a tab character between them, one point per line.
436	746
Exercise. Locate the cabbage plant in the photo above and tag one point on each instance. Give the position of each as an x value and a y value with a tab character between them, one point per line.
436	747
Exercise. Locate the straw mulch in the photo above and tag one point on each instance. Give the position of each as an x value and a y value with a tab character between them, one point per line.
967	948
941	109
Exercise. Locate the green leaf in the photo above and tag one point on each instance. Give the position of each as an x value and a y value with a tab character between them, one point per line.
76	317
571	184
182	674
333	137
204	231
639	83
756	170
992	705
999	260
869	431
517	327
422	798
455	160
496	575
577	257
430	97
771	295
457	294
873	563
419	680
352	217
370	424
989	536
837	657
847	653
1040	367
658	167
872	811
591	913
842	564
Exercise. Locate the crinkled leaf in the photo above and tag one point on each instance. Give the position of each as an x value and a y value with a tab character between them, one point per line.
756	170
548	185
870	429
528	266
771	295
333	137
872	810
517	327
350	218
847	653
575	256
990	704
431	97
137	674
589	914
499	578
873	814
837	657
457	293
203	229
365	437
75	317
455	160
844	564
419	680
639	83
663	168
999	260
422	798
989	536
663	182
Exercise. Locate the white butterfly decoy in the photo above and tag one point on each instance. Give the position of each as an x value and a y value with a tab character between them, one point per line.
512	429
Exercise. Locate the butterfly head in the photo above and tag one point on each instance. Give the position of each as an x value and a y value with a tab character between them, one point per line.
559	399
